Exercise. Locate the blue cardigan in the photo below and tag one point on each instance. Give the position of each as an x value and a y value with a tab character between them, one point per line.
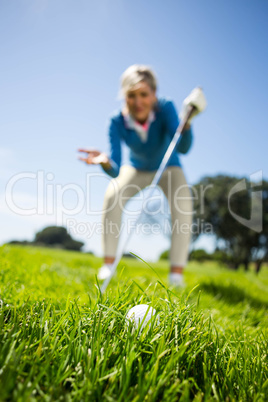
147	155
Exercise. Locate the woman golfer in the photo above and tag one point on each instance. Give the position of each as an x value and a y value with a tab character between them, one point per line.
146	124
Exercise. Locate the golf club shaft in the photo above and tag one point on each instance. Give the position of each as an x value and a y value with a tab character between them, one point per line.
173	144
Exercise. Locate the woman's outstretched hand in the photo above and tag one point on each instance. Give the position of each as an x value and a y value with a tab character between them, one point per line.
95	157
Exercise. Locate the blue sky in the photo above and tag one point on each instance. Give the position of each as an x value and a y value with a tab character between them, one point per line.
60	67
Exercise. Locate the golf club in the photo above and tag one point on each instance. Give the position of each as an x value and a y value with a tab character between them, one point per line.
174	142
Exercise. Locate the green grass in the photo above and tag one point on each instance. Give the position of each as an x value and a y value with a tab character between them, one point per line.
60	339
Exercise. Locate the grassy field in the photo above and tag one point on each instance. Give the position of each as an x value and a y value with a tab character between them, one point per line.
60	339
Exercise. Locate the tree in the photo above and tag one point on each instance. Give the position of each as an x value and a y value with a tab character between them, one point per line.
57	236
243	244
164	255
199	255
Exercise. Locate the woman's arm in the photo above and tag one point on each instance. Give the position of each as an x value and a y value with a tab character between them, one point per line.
115	150
111	164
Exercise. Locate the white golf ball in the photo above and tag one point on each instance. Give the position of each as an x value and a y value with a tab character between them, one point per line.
142	313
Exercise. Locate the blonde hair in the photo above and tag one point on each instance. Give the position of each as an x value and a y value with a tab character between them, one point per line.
135	74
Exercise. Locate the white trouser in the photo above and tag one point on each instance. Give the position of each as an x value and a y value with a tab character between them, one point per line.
128	183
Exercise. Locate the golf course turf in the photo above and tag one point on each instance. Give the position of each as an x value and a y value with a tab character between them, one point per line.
61	339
